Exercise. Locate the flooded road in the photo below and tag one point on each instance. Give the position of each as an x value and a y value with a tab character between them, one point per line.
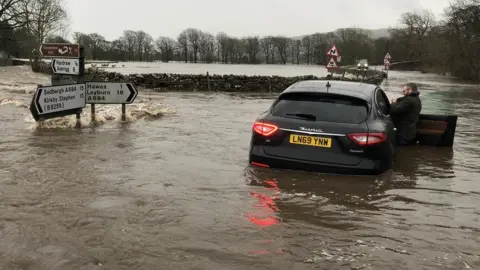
172	189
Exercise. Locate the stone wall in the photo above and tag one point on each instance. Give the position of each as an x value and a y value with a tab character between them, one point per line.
228	83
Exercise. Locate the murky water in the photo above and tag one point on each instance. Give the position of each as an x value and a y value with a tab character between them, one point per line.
171	189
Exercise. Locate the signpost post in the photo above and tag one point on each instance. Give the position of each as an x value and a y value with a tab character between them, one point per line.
334	55
386	62
110	93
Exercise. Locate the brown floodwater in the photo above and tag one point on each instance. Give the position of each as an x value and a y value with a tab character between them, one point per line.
172	189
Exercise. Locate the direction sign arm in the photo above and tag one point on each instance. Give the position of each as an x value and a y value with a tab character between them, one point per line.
38	93
53	66
133	92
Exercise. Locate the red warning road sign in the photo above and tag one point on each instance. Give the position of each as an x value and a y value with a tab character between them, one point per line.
332	64
333	51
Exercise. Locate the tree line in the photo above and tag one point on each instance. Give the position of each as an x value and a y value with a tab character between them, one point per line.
449	46
24	24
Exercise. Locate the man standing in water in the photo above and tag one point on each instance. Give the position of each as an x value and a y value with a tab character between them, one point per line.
405	112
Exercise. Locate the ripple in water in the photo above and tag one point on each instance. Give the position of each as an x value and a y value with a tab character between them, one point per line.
105	114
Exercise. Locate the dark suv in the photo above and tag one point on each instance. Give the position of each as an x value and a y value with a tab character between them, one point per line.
331	127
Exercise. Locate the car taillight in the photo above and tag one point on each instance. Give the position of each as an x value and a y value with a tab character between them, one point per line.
368	138
264	129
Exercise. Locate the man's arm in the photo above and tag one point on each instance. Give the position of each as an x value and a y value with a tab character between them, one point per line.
401	107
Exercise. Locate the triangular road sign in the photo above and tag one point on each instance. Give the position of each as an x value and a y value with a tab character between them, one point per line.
333	51
332	63
387	56
386	62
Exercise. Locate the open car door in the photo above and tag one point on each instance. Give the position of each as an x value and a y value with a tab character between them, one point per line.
436	130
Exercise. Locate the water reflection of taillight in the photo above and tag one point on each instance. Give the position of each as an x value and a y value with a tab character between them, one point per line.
272	183
262	222
265	202
266	205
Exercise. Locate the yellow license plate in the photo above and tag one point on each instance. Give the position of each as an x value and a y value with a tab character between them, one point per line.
311	141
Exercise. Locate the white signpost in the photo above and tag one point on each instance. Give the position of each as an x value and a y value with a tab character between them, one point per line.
58	100
110	92
67	66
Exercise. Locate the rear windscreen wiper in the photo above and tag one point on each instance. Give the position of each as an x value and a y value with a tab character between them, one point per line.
303	115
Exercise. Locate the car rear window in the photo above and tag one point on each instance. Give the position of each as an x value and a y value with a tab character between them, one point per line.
325	108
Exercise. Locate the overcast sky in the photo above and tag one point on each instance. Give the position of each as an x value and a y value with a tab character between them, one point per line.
238	18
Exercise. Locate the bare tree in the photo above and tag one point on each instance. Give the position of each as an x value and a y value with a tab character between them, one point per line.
355	43
41	18
231	50
267	45
413	34
222	41
462	32
319	43
194	36
236	49
120	47
84	40
165	46
419	26
148	48
96	42
281	43
183	44
78	37
307	46
141	38
56	39
130	38
206	47
252	48
11	14
418	23
296	47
